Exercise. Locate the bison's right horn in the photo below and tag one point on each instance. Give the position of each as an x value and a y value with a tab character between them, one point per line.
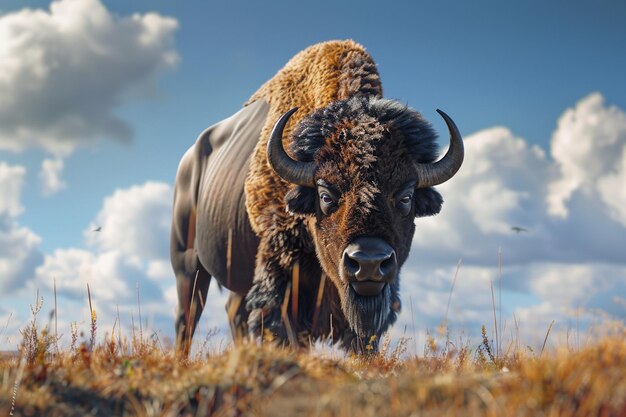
441	171
301	173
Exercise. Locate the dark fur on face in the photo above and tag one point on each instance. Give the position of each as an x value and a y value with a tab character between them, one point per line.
365	149
417	135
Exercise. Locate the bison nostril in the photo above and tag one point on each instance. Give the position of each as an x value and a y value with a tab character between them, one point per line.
388	266
351	265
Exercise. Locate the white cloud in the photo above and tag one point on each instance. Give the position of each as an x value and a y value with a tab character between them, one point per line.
612	188
504	182
50	176
589	147
130	253
135	221
501	184
567	284
64	71
11	182
19	254
19	246
535	321
568	265
111	276
160	269
574	296
428	291
131	248
497	201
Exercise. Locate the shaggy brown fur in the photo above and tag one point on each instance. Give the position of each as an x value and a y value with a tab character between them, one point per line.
314	78
311	80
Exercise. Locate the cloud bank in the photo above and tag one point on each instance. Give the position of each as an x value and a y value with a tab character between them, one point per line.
64	71
589	150
572	204
19	246
128	255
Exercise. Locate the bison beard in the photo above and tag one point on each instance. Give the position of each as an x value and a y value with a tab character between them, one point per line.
368	316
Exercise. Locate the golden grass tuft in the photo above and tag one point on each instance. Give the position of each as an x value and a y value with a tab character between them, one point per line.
142	377
119	377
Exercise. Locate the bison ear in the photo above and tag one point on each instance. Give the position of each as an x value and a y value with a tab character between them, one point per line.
427	202
301	200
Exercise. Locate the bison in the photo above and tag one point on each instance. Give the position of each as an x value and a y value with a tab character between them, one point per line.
302	204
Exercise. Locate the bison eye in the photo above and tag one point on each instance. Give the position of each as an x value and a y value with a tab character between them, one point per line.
328	196
326	199
404	203
327	202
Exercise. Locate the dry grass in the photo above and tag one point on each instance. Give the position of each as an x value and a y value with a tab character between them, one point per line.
138	377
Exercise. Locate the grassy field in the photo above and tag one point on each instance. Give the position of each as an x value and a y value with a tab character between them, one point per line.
143	378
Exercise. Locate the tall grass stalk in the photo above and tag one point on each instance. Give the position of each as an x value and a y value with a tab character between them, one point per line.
192	315
413	327
545	340
119	327
139	311
6	325
229	255
56	316
295	280
93	327
288	327
456	273
499	347
495	320
318	302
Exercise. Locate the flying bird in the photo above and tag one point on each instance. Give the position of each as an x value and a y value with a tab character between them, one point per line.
97	229
518	229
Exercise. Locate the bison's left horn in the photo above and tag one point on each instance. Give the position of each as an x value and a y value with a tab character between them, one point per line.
444	169
302	173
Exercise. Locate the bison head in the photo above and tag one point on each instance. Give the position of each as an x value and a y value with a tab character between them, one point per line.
364	169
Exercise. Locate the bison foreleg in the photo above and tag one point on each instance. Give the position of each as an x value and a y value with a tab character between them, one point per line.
192	292
264	300
237	316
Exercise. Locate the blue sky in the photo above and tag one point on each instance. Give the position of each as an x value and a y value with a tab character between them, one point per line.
520	66
485	63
